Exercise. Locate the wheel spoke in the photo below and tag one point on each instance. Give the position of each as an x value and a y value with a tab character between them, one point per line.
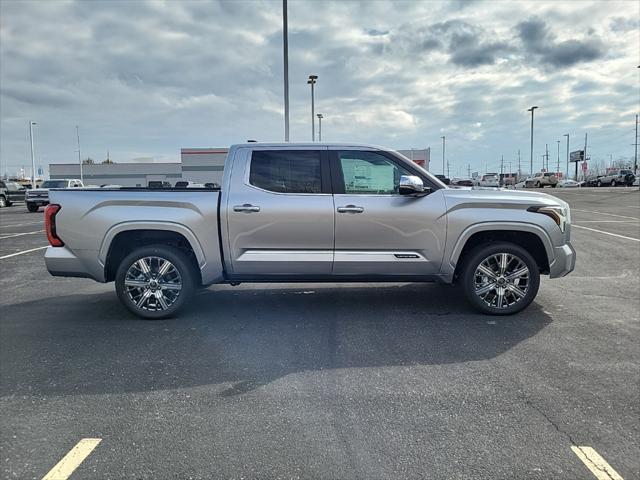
164	268
503	263
142	266
519	293
170	286
144	298
500	297
136	283
518	273
161	300
487	271
485	289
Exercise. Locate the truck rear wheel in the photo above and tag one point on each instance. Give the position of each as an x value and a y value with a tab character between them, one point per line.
500	279
155	281
32	207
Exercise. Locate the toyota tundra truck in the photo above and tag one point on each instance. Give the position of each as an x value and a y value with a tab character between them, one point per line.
310	213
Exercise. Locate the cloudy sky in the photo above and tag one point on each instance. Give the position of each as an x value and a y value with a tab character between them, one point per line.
145	78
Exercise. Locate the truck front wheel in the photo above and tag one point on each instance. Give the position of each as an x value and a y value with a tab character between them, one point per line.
500	279
32	207
155	281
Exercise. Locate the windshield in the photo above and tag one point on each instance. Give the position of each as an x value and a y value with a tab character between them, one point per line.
54	184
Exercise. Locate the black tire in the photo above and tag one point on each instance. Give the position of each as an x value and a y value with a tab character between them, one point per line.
598	183
473	261
182	264
613	183
537	185
554	185
3	201
32	207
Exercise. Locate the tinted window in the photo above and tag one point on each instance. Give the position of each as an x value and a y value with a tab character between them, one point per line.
286	171
370	172
54	184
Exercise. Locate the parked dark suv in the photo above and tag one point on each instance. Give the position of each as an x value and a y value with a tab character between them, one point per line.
11	192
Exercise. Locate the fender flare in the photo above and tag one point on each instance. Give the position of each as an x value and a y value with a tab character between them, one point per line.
489	226
151	225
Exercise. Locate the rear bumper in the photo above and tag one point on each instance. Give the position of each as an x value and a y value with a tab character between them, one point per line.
62	262
564	261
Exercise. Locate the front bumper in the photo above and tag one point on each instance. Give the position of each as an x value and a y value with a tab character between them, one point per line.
564	261
40	201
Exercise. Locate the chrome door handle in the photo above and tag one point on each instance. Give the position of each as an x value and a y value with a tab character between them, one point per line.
247	208
350	209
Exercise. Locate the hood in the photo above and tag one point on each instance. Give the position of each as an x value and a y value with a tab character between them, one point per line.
496	198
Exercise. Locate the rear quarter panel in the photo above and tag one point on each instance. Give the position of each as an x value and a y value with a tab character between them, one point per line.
89	220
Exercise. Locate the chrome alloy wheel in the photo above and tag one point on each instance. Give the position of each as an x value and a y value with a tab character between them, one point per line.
153	283
501	280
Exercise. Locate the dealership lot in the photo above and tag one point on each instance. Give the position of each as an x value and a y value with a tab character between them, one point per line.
328	381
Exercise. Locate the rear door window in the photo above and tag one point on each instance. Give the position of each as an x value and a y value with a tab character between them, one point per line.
286	171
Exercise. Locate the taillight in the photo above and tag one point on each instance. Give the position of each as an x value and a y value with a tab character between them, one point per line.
50	213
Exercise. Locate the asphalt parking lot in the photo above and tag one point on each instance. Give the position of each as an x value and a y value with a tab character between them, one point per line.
327	381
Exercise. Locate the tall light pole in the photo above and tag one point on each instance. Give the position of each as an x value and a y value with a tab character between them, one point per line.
567	135
79	157
33	160
531	158
635	158
443	145
285	52
320	117
312	81
558	167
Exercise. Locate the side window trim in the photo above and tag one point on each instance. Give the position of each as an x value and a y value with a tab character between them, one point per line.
325	173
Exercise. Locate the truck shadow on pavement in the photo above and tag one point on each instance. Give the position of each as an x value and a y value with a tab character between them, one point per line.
243	338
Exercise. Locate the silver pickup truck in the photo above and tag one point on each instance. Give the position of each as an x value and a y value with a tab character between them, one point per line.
310	213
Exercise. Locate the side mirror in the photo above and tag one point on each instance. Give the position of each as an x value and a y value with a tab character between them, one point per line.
412	185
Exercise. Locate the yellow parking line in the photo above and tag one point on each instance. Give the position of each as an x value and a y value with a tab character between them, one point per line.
73	459
594	462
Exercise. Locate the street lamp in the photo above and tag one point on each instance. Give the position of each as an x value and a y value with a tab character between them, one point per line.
320	117
33	161
285	54
312	81
531	158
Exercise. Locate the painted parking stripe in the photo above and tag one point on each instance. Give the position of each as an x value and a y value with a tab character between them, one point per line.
22	252
72	460
606	233
9	225
594	462
19	234
604	213
609	221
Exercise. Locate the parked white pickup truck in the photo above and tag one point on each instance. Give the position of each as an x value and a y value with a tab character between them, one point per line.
310	213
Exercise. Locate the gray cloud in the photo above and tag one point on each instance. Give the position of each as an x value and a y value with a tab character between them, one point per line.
538	40
144	78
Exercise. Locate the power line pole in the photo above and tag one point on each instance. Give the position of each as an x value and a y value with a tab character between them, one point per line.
79	158
567	135
635	161
585	154
546	157
531	158
443	146
285	52
469	170
519	166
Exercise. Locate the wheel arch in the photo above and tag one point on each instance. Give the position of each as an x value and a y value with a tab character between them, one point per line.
530	237
122	239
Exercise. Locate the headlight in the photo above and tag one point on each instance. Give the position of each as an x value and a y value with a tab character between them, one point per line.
560	215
